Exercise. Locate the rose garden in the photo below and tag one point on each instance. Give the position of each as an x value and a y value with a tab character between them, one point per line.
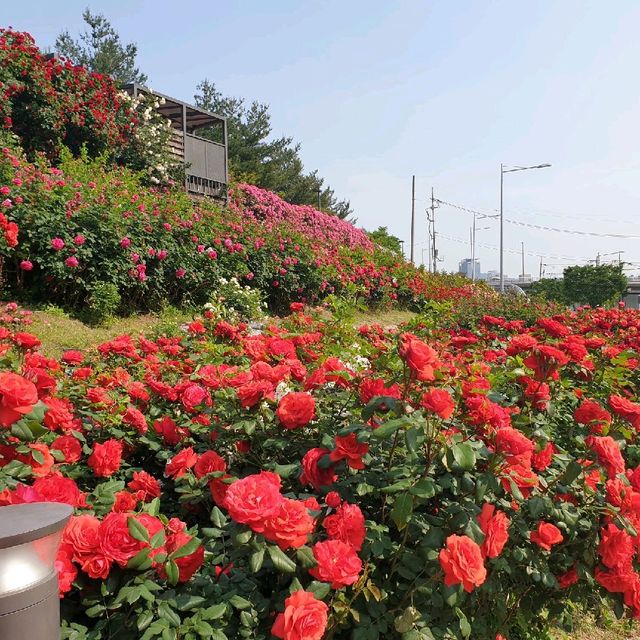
473	473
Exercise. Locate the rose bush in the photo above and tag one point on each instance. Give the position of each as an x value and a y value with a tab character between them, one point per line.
309	480
86	236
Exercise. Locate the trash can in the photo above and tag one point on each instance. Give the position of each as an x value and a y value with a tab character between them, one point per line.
30	535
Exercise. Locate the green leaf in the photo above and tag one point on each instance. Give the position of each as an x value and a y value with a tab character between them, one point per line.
256	560
281	562
141	561
214	612
464	455
172	571
305	557
238	602
186	601
388	428
186	549
425	488
319	589
573	470
402	510
168	614
218	518
144	620
203	629
137	530
465	627
158	539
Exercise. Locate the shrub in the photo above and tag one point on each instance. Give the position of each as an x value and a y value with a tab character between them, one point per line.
446	483
103	302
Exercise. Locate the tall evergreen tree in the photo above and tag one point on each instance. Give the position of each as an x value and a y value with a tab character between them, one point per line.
100	49
255	157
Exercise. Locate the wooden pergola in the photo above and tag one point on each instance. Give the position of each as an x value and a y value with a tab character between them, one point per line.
205	161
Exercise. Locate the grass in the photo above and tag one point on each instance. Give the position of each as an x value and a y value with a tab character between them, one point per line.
590	629
59	332
384	318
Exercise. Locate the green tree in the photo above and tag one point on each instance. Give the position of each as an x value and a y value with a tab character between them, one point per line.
594	284
256	157
550	289
100	49
382	237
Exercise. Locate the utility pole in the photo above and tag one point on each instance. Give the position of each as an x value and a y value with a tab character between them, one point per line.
413	214
319	204
473	249
540	268
433	227
598	260
523	262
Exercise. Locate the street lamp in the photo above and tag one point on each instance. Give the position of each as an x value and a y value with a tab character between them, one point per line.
504	170
30	535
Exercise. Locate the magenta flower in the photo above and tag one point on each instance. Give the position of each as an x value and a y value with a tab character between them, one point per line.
180	273
57	244
72	262
26	265
79	240
125	242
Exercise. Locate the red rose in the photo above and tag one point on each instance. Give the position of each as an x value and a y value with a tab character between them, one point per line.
546	535
43	463
616	548
542	459
56	488
312	473
626	409
70	448
296	409
82	535
26	340
419	356
18	397
304	618
124	502
349	449
514	446
462	563
608	452
439	402
332	499
96	566
58	414
347	525
181	463
593	415
106	458
195	396
338	563
67	571
171	433
187	565
495	526
254	499
146	486
72	357
209	462
291	526
115	540
136	419
566	579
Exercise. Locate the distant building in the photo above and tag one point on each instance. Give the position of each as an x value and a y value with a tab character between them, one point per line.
465	267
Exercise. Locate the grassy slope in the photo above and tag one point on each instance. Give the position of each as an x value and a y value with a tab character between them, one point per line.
59	332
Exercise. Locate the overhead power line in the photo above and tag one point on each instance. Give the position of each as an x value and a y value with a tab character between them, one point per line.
540	227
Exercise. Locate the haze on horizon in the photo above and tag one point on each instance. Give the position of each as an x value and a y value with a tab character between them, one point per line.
378	91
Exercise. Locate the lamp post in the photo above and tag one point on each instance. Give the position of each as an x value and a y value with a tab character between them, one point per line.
503	170
30	535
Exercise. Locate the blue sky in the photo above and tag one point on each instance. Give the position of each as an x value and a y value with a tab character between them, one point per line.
377	91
